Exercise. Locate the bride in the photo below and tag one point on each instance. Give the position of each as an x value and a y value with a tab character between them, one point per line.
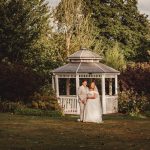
93	110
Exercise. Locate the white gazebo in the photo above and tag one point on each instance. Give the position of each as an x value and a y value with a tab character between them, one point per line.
84	64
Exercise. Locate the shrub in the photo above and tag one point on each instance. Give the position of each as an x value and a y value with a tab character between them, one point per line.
132	103
7	106
136	76
45	99
18	82
147	113
45	102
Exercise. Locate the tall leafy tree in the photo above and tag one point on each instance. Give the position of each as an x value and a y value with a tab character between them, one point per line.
68	16
144	49
76	27
23	25
114	58
121	21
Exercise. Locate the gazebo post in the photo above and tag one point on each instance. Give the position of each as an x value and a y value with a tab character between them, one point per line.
57	85
77	84
68	87
77	87
116	85
110	86
103	94
53	82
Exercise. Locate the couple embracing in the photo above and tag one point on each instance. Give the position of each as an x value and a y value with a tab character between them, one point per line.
90	105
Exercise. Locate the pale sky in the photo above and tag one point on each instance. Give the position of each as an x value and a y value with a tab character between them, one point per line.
143	5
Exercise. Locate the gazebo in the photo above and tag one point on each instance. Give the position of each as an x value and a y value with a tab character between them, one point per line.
85	64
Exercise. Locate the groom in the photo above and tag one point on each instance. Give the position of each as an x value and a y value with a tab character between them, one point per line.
82	94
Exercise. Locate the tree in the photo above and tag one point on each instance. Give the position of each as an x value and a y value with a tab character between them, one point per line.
76	27
86	36
144	49
24	23
115	58
119	20
68	15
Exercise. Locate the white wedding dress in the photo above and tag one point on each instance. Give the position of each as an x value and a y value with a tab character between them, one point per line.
93	109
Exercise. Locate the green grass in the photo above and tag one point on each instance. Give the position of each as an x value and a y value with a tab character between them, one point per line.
37	112
118	132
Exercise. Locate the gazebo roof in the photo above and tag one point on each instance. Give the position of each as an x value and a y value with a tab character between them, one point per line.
84	54
85	67
87	62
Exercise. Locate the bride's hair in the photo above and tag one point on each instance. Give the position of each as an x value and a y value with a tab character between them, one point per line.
95	87
90	86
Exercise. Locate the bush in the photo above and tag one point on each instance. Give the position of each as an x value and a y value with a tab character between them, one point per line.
147	113
7	106
18	82
136	76
45	102
21	109
38	112
45	99
42	103
132	103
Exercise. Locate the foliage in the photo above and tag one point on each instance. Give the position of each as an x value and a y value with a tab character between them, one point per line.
98	25
120	21
38	112
75	28
132	103
144	50
18	82
45	102
68	16
45	99
85	36
24	22
115	58
26	35
136	76
147	113
7	106
46	106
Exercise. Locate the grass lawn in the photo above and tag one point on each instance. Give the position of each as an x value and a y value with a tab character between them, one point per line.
43	133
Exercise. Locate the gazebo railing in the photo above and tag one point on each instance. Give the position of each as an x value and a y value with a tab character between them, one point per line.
69	104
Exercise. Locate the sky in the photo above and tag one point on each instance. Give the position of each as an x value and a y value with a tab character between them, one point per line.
143	5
